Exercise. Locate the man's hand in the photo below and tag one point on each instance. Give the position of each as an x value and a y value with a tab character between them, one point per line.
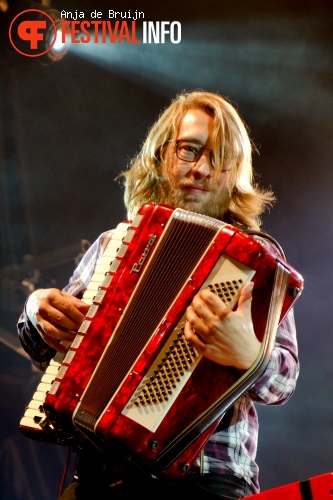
58	316
220	334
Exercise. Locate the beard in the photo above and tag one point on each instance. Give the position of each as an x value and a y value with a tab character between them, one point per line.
176	196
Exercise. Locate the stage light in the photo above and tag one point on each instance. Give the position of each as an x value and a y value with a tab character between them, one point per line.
59	44
59	48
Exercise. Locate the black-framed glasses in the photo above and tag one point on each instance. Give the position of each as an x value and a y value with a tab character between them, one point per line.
191	151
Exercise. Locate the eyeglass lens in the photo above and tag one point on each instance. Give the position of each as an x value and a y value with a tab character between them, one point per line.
189	151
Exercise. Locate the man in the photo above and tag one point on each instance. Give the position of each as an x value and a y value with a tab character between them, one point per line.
197	156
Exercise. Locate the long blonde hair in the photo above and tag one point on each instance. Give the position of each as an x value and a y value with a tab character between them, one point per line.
231	146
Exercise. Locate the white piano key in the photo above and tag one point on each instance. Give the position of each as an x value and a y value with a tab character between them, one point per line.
122	227
36	405
137	220
69	356
98	277
114	266
84	326
77	341
92	311
112	249
93	285
57	360
47	378
29	422
129	235
30	412
62	370
54	387
122	250
99	296
52	369
39	396
88	296
106	261
102	269
43	388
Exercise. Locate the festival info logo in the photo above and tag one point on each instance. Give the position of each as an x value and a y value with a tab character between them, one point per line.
32	33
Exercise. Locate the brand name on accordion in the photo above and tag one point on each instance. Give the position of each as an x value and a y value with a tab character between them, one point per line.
138	265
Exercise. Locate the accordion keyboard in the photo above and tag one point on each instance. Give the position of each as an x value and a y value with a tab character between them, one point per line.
34	412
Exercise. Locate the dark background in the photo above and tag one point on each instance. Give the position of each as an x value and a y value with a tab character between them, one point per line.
67	130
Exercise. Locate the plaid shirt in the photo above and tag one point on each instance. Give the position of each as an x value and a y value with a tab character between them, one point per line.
232	448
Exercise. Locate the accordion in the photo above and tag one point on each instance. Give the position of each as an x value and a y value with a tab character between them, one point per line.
130	381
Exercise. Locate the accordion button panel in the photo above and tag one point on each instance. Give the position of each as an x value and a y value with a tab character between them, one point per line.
176	361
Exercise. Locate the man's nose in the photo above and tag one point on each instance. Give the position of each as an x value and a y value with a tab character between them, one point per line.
202	168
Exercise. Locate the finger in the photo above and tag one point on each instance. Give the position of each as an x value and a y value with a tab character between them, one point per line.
245	298
197	317
81	306
192	337
70	306
202	306
52	342
78	304
52	316
214	305
55	331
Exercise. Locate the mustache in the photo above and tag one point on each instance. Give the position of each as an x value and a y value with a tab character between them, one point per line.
202	184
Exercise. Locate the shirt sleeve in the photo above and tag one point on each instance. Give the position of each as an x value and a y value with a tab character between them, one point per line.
39	351
278	382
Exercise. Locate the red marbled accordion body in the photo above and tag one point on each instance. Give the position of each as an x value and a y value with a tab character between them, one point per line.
124	338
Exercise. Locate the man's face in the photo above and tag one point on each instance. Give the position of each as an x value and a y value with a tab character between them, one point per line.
193	185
